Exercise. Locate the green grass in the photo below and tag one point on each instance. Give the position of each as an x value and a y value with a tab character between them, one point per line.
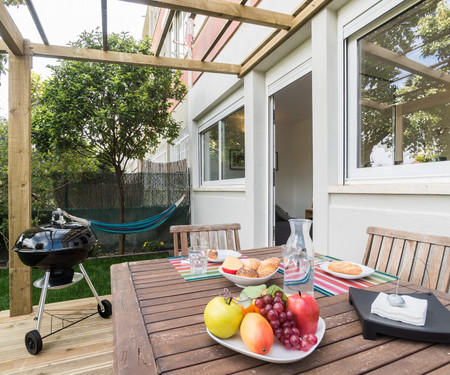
97	269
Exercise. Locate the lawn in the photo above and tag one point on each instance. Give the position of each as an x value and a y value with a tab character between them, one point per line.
98	270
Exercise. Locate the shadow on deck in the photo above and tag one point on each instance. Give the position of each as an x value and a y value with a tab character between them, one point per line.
84	348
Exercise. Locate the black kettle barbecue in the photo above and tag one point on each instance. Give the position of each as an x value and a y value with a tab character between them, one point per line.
57	248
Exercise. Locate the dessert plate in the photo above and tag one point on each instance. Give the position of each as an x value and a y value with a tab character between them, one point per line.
277	354
243	282
222	254
366	271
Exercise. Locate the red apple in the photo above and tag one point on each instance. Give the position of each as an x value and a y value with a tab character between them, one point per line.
306	312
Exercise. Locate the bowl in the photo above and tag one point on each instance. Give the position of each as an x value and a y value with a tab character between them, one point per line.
244	282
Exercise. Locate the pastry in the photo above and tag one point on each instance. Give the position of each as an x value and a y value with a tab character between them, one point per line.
268	267
246	272
344	267
212	254
253	263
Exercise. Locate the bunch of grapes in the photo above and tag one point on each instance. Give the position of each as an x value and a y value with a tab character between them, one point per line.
283	323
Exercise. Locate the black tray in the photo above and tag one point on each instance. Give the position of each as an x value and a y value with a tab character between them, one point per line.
436	328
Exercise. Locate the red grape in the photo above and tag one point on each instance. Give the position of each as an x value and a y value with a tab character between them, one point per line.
272	315
311	338
295	331
287	332
268	299
289	315
282	317
277	300
278	332
279	293
295	340
278	307
287	343
259	303
263	311
305	345
269	307
275	324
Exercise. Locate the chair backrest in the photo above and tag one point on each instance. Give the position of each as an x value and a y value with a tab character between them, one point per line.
214	236
419	258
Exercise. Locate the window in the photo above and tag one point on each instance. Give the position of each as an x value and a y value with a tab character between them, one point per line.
223	149
402	112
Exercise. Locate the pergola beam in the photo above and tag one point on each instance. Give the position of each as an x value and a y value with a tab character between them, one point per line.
95	55
164	32
37	21
104	25
225	9
10	33
275	41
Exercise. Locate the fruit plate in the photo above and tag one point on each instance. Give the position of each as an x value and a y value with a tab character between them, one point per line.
366	271
277	354
243	282
222	254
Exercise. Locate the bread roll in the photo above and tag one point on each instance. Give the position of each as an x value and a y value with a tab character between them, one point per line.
253	263
272	261
246	272
344	267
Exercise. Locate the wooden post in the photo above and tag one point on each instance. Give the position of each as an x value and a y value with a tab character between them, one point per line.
19	177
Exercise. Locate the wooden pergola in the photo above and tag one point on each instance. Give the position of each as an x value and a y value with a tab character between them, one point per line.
21	52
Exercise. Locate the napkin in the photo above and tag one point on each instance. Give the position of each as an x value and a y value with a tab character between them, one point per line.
414	311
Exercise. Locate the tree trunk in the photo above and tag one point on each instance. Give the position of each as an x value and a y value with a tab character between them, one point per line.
119	177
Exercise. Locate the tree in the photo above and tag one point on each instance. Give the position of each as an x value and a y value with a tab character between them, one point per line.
115	112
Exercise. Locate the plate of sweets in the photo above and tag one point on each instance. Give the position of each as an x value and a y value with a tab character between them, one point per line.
249	272
218	256
346	270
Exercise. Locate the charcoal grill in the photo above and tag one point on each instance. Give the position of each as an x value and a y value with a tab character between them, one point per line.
57	248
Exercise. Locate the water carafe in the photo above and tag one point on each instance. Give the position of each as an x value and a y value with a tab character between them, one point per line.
298	257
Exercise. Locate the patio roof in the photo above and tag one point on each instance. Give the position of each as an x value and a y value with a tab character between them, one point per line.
282	26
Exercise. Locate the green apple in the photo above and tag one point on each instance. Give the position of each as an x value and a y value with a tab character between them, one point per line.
222	317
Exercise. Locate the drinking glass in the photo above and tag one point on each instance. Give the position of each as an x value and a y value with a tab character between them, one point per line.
198	258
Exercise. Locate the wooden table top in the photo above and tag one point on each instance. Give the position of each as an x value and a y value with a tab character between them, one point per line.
159	329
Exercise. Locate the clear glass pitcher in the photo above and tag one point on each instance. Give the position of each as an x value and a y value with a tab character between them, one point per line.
298	258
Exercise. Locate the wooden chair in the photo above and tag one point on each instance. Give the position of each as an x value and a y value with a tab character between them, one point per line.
418	258
215	236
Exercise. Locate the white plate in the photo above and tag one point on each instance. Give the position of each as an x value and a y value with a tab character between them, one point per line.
277	354
244	282
222	254
366	271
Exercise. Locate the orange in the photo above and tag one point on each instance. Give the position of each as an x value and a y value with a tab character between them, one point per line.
251	308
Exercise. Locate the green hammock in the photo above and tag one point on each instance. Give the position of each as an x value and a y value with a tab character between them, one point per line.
127	228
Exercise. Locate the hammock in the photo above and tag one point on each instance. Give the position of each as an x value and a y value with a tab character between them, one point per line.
127	228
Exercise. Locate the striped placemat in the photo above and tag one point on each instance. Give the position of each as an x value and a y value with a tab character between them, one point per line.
331	285
181	264
324	282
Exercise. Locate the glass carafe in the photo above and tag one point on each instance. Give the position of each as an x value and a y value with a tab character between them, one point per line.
298	257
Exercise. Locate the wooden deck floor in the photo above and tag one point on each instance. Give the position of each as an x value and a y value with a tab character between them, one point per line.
84	348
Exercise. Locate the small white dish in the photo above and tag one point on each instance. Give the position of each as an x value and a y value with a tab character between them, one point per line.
277	354
366	271
243	282
222	254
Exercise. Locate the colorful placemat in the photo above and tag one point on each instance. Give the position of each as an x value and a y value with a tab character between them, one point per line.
324	282
181	264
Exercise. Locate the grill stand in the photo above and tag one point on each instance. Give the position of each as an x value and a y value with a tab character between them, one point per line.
33	339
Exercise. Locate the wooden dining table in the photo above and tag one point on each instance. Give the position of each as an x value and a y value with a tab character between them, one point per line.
159	329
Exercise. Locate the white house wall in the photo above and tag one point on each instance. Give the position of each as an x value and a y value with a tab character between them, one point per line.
342	212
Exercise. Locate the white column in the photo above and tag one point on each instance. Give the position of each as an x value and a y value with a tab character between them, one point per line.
327	138
257	156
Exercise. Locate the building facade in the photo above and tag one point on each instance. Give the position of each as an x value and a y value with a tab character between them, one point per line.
348	120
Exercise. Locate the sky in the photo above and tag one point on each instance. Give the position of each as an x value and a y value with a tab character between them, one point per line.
63	21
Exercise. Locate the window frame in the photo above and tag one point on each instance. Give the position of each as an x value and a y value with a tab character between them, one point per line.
356	29
217	119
